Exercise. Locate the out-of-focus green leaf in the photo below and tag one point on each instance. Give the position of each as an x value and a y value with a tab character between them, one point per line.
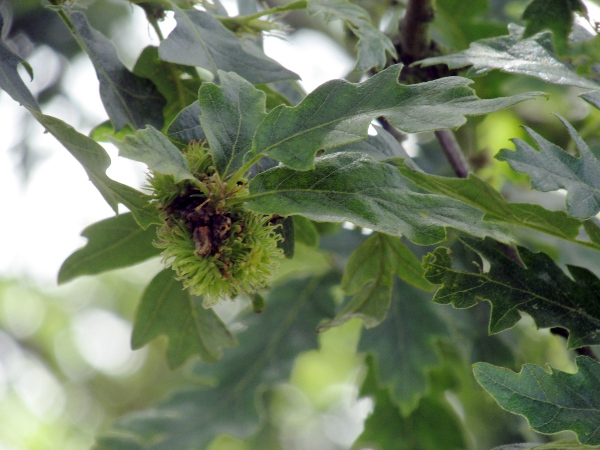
269	344
369	277
10	81
551	402
551	168
95	161
178	84
153	148
339	112
593	98
482	195
532	57
372	47
433	424
201	40
567	444
127	98
186	128
352	187
404	345
231	113
305	231
112	243
540	289
166	308
554	15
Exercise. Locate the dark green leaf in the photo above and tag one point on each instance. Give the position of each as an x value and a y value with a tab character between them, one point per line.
186	128
541	289
593	98
372	47
551	168
369	277
112	243
95	161
10	81
352	187
482	195
404	345
201	40
434	424
231	113
155	150
532	57
339	112
268	347
551	402
127	98
554	15
178	84
305	231
380	146
166	308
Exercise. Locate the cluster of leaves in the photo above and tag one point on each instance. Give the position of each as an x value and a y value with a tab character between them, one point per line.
311	161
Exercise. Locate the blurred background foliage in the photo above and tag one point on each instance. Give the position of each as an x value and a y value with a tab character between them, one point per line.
65	369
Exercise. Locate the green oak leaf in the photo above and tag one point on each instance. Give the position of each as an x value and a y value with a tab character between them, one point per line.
231	113
551	168
201	40
166	308
353	187
339	112
95	161
404	345
186	127
554	15
380	146
269	344
540	289
551	402
112	243
155	150
532	57
10	81
127	98
373	46
368	276
178	84
593	98
563	444
433	424
474	191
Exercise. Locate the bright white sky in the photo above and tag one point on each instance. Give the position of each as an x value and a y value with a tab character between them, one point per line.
42	220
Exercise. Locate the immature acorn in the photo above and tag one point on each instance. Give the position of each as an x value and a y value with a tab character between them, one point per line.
217	248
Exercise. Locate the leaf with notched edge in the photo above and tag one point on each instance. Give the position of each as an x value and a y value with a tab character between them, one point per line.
339	112
127	98
551	402
166	308
112	243
541	289
353	187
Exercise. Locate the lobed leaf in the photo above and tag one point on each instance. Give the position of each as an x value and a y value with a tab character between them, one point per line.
540	289
95	161
154	149
201	40
369	276
166	308
474	191
10	80
404	345
551	168
352	187
373	46
532	57
127	98
551	402
555	15
339	112
112	243
269	344
231	113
